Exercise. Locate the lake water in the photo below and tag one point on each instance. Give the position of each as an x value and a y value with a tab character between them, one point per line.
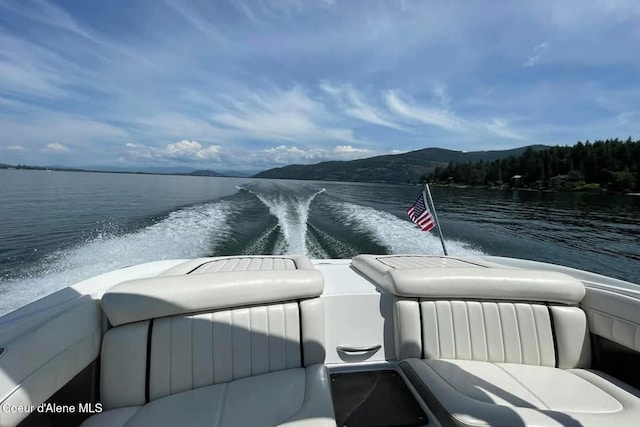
57	228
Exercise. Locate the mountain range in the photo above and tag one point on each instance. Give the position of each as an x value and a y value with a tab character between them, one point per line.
391	168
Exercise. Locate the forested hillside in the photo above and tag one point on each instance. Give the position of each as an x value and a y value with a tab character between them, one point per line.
611	164
393	168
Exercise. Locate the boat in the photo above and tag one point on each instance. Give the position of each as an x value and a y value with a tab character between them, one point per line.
387	340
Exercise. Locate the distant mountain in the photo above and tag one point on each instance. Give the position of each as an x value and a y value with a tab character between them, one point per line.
238	174
205	172
160	170
142	169
392	168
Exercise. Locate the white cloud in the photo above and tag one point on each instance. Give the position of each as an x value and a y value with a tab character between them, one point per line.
15	148
184	150
429	116
55	148
348	149
284	154
191	150
538	52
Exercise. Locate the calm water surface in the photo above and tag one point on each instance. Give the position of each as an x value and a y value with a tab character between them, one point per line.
57	228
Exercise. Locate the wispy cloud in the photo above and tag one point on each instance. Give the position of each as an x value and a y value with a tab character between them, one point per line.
281	115
15	148
500	127
539	52
371	77
429	116
352	104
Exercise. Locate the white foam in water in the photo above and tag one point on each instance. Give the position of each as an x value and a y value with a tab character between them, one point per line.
186	233
397	235
292	214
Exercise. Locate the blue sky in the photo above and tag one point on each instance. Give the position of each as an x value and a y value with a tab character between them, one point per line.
249	85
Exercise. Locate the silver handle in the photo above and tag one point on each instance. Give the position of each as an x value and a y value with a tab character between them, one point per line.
352	349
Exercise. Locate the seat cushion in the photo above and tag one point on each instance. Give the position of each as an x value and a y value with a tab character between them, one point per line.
293	397
476	393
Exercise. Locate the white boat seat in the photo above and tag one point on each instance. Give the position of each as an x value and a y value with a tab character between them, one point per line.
298	397
498	347
216	349
476	393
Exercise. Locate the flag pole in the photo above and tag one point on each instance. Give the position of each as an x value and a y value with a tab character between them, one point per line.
435	217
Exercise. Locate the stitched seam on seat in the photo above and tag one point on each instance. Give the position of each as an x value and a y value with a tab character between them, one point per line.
453	330
524	386
504	349
517	326
484	332
535	333
466	314
438	349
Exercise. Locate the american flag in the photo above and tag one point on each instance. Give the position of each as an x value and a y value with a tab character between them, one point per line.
420	215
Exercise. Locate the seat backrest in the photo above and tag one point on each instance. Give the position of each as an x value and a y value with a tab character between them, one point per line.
500	332
488	314
169	345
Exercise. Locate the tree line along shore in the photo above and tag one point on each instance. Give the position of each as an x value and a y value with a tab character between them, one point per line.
610	165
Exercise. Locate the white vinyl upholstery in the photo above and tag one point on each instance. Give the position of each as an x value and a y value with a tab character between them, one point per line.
492	331
474	393
38	362
241	263
498	347
239	364
143	299
614	316
195	351
488	331
294	398
375	267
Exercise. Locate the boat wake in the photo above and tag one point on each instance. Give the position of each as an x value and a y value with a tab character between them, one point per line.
261	219
398	236
292	212
186	233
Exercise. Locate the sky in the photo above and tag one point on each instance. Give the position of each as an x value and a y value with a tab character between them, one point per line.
248	85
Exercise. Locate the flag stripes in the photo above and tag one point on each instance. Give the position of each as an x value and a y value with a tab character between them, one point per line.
420	214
